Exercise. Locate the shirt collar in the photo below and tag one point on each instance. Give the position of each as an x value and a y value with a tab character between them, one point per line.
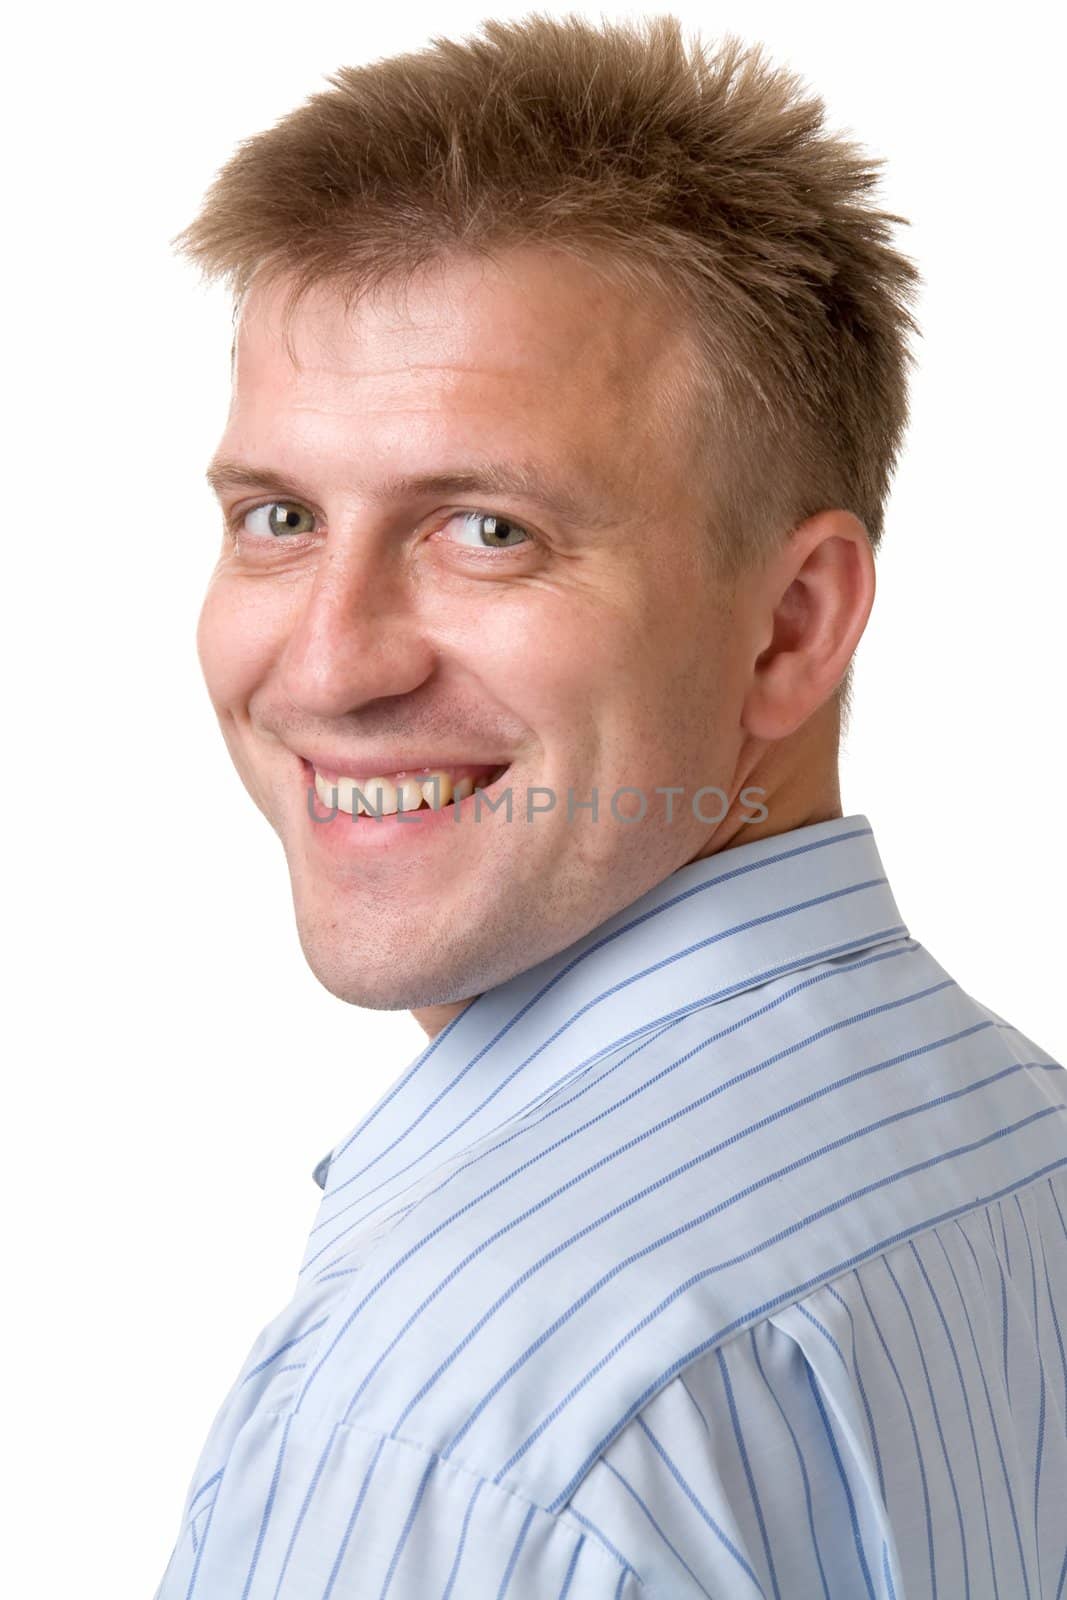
710	930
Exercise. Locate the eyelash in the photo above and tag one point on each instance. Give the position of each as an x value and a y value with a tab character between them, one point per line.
234	522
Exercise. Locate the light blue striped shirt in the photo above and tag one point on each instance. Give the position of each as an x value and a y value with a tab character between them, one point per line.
722	1254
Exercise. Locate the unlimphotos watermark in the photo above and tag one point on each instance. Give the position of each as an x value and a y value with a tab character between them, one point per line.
373	804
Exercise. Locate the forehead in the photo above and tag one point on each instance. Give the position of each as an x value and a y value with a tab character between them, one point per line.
532	337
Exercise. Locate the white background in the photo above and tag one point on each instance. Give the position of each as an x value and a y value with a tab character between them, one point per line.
174	1068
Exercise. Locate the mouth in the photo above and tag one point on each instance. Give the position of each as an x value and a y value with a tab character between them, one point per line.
383	795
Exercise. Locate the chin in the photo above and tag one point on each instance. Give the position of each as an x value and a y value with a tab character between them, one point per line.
387	981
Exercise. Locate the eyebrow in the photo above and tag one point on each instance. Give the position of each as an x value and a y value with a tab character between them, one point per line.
524	480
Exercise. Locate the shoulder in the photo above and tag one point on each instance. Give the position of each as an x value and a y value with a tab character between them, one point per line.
561	1272
899	1417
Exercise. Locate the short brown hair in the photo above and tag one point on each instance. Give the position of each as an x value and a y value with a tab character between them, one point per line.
705	178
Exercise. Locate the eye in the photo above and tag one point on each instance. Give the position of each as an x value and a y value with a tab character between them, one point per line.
497	533
277	518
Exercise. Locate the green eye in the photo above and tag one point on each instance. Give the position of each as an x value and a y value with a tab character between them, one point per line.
278	517
498	533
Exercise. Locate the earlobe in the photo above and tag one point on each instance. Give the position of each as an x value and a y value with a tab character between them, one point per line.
816	602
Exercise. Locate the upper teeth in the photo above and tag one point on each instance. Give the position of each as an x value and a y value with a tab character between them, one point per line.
374	795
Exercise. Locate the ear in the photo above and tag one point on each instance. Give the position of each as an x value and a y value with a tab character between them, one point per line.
811	606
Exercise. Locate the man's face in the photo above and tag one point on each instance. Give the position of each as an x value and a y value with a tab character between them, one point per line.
354	619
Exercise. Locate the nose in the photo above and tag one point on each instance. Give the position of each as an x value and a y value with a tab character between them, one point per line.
357	635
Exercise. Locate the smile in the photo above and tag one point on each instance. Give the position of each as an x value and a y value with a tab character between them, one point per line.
432	788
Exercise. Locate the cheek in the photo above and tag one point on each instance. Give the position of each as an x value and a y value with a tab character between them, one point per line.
235	640
586	681
547	656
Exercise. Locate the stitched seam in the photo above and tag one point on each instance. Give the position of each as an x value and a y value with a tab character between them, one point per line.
470	1472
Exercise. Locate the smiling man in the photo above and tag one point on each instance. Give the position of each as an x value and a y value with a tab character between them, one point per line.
716	1244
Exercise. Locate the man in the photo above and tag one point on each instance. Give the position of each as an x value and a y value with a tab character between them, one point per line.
716	1243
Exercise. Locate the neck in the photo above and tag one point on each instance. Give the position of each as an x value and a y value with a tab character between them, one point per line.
431	1019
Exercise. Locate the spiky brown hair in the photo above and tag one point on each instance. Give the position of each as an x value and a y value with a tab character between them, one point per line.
704	177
